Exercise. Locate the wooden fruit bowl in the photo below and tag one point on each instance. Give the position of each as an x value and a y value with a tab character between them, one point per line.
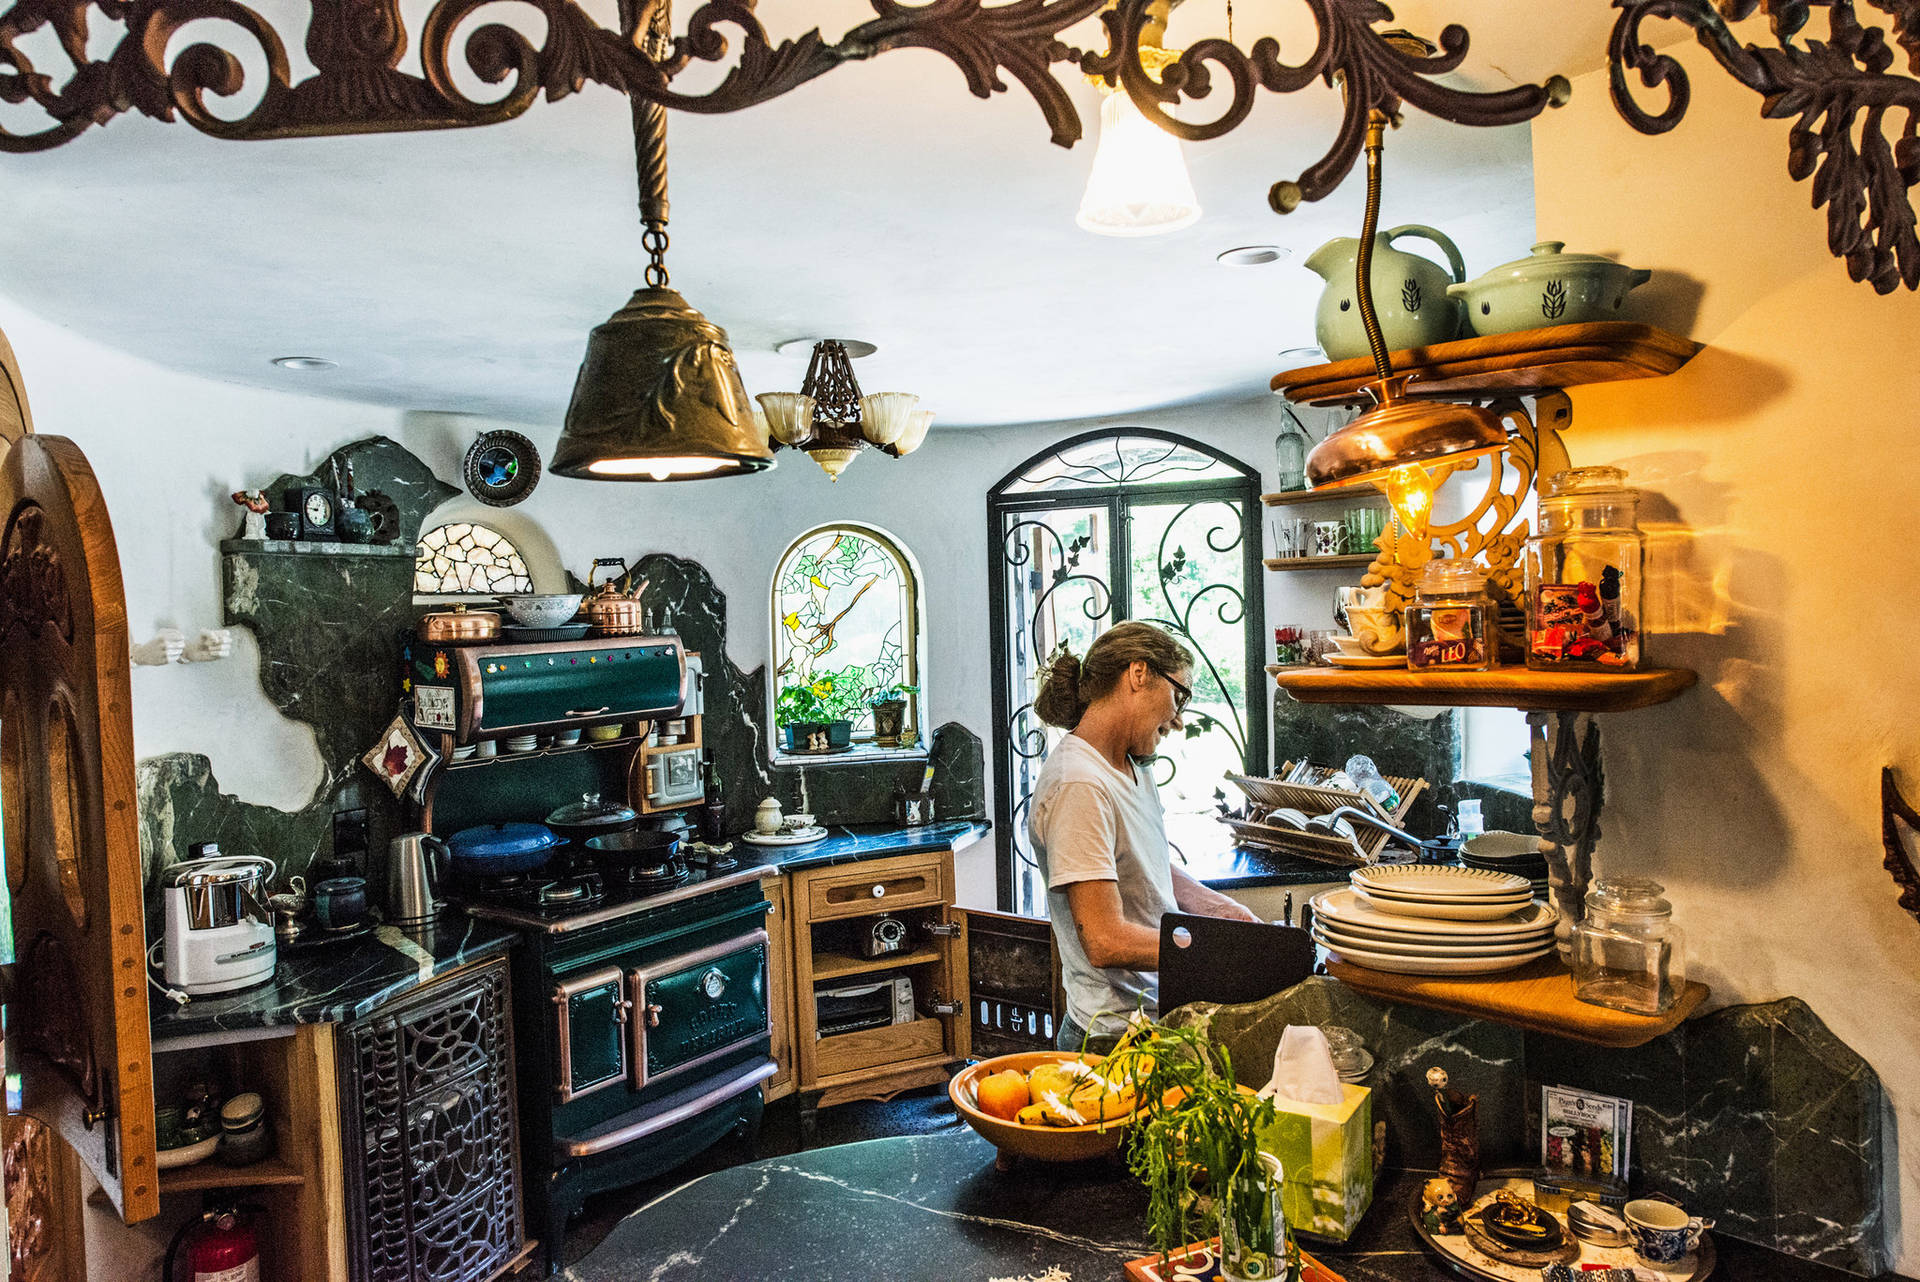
1041	1143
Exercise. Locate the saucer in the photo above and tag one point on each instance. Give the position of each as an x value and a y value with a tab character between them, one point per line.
799	838
1367	660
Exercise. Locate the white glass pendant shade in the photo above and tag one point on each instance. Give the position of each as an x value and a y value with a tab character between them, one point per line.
917	424
833	460
789	415
1139	184
884	415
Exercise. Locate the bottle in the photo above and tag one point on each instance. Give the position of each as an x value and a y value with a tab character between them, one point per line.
1627	953
1583	574
1471	824
1366	776
1448	622
1290	452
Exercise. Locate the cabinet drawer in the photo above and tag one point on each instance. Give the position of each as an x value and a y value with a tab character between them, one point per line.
874	1046
876	888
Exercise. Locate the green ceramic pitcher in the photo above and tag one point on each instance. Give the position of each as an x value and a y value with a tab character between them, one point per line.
1409	293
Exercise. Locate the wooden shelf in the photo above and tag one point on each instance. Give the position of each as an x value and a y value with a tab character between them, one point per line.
1352	495
1537	997
211	1175
1500	688
1318	562
839	965
1532	360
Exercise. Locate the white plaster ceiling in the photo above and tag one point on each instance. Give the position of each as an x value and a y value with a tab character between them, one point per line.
461	270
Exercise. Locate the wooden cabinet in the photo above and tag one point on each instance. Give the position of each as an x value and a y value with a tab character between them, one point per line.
780	985
832	910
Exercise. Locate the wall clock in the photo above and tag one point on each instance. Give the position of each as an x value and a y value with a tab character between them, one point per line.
501	468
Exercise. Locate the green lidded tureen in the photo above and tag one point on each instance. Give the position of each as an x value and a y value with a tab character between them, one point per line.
1548	287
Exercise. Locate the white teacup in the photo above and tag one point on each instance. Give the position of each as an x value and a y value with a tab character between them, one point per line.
1662	1232
800	822
1377	631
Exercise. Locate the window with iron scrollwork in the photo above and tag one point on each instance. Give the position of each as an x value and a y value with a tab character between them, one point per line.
1127	524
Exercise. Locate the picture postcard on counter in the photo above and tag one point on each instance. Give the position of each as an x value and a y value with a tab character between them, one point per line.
1583	1133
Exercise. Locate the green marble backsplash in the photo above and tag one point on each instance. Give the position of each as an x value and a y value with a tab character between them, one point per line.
1756	1116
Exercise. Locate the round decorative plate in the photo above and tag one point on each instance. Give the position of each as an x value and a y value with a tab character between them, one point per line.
1344	905
1471	910
501	468
1428	880
800	838
1396	964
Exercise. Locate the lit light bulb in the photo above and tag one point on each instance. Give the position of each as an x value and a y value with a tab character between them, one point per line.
1139	184
1410	490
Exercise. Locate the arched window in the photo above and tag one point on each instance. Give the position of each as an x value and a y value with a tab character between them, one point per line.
465	557
847	631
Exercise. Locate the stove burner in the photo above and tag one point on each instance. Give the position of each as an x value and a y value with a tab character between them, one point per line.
572	892
659	877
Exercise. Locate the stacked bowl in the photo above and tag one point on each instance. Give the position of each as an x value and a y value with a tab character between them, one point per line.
1514	852
1427	919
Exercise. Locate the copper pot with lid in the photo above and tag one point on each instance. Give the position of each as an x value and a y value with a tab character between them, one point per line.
459	626
612	612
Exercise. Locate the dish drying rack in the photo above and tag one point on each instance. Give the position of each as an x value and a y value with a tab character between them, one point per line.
1302	786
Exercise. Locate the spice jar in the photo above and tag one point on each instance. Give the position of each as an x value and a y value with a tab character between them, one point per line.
244	1135
1583	574
1627	953
1447	622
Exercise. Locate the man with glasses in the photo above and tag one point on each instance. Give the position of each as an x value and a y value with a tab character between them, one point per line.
1099	832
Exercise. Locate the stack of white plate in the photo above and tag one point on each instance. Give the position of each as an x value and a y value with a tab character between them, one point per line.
1427	920
1514	852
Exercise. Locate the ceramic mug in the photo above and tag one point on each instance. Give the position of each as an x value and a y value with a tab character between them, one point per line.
1329	538
340	903
1662	1232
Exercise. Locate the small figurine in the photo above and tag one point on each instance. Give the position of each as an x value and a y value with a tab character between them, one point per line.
169	645
1459	1134
1439	1207
254	523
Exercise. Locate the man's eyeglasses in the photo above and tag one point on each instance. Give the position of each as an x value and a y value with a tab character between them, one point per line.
1182	693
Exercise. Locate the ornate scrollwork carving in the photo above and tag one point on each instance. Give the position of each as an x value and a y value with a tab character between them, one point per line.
1842	95
33	582
357	46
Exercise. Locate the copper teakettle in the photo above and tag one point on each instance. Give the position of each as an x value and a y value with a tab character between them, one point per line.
612	612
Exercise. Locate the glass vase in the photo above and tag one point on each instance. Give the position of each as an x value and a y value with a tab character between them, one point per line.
1290	450
1253	1229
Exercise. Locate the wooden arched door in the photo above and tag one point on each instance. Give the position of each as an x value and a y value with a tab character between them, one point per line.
77	1004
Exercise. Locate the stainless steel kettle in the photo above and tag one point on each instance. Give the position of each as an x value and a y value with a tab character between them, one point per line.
414	863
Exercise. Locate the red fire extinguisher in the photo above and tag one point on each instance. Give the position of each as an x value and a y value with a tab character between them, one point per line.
221	1246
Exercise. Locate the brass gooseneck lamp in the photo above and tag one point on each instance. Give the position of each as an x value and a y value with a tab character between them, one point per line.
1392	445
659	396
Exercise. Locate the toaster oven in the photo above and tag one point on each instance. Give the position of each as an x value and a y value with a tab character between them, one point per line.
849	1008
673	779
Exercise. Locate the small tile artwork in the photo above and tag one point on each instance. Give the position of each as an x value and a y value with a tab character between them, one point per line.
465	557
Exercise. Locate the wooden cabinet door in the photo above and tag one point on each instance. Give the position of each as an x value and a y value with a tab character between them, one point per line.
780	1004
78	1005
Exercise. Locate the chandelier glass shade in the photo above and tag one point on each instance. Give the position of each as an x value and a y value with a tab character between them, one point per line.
832	421
1139	185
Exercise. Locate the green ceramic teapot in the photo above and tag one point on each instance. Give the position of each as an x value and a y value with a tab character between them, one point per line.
1409	293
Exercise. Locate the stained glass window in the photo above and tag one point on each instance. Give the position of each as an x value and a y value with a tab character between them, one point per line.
467	558
845	627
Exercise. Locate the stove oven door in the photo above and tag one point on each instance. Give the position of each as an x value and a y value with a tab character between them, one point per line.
591	1014
694	1008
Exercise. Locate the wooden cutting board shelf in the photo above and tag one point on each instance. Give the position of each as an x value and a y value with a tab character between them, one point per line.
1500	688
1532	360
1537	997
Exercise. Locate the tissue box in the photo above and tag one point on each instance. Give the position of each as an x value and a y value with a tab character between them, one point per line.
1326	1158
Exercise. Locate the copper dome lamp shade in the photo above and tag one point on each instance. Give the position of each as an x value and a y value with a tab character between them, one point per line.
659	396
1393	445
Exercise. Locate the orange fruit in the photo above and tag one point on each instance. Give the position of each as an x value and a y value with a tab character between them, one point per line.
1003	1094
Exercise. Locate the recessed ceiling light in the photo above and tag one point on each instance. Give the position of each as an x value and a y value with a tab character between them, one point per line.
305	364
1251	255
804	347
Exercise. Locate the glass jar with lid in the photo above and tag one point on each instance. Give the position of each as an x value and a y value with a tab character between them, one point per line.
1448	622
1627	953
1583	574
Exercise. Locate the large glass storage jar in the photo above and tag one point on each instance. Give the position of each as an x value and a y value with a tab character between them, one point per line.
1583	574
1448	620
1627	953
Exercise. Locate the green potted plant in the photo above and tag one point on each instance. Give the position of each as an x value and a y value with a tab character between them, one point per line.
889	705
816	714
1196	1146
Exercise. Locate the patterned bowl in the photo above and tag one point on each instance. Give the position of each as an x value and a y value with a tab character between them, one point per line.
535	610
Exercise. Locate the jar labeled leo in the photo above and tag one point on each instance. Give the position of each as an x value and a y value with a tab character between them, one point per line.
1448	623
1584	572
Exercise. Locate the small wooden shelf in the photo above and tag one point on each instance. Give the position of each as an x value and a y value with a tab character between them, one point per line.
585	745
1537	997
211	1175
1317	562
1351	495
839	965
1532	360
1500	688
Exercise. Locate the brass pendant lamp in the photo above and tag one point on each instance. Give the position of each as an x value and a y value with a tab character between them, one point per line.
1392	444
659	396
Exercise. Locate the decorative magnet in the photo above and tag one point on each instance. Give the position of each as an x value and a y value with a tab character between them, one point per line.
501	468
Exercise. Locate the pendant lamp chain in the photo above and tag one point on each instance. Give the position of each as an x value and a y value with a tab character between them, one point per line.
650	142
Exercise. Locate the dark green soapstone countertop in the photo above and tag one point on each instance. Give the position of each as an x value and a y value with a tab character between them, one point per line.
853	843
335	982
933	1207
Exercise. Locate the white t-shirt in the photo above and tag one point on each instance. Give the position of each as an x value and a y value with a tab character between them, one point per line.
1091	822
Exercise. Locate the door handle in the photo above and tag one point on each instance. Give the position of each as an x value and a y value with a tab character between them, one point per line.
587	712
